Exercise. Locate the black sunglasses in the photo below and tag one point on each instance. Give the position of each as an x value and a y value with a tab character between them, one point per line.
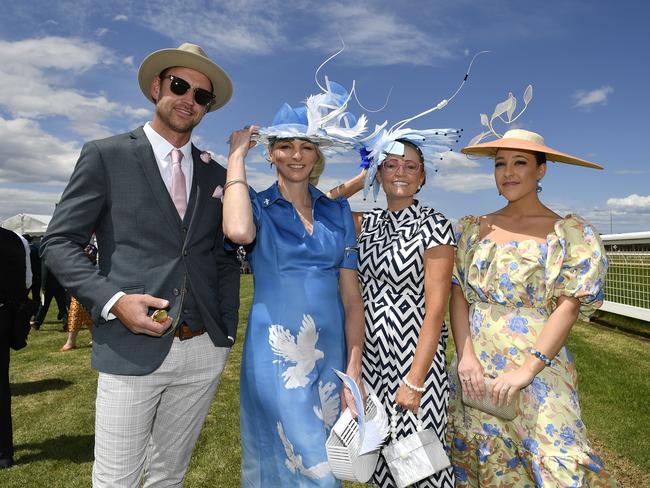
179	87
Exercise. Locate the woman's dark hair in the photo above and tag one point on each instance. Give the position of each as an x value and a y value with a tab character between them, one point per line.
540	157
415	147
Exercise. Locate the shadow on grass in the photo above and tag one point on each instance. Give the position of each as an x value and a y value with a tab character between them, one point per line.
19	389
75	448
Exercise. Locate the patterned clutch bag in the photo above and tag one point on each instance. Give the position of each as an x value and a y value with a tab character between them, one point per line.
485	404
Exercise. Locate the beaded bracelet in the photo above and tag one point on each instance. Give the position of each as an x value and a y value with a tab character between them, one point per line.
233	182
542	357
412	386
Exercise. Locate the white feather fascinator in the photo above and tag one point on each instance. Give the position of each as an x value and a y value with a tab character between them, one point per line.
433	143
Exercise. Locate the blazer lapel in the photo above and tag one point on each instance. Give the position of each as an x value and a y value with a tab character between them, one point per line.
143	154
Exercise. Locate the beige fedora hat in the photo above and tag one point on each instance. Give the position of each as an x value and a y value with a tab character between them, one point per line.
188	56
529	141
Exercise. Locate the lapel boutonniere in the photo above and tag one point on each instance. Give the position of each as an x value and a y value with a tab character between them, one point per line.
206	157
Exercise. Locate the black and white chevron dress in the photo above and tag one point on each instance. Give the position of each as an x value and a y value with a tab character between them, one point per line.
391	270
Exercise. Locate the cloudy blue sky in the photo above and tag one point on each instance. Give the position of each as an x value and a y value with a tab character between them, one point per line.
68	71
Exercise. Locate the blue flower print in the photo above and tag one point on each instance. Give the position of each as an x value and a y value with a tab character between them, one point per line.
569	355
484	356
530	444
584	266
568	436
514	266
460	473
537	474
579	424
513	462
459	444
477	320
530	291
596	459
518	324
540	390
490	429
499	361
513	351
573	398
551	430
483	452
505	282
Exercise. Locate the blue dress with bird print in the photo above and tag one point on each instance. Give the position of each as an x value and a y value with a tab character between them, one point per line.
290	396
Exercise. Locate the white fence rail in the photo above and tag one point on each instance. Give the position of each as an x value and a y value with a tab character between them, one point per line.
627	287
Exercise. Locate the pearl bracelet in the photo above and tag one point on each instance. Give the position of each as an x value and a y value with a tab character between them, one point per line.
233	182
542	357
412	386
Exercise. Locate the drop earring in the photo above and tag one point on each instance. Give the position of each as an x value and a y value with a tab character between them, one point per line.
539	186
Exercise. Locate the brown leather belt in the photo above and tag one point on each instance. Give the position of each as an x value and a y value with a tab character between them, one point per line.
184	332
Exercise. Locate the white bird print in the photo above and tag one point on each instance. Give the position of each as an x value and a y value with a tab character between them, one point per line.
294	461
303	352
330	402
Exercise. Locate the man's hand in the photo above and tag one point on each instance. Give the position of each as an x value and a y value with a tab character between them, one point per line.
132	310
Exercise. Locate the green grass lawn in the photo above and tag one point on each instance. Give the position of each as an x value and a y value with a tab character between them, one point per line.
54	393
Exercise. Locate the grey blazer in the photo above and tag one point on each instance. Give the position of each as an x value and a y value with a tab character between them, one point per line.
116	191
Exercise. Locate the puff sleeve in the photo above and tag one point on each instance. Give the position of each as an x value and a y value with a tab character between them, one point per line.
580	271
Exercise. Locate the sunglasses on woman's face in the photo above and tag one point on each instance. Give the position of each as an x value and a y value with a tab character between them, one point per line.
179	86
408	166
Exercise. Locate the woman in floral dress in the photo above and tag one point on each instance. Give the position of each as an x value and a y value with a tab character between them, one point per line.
523	276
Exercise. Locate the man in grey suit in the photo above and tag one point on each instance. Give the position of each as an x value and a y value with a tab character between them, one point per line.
152	200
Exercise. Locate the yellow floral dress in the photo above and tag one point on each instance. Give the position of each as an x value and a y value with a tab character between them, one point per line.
512	288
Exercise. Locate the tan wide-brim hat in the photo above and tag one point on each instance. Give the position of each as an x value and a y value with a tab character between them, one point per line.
187	56
529	141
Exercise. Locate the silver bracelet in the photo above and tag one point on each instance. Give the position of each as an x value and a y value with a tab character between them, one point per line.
412	386
233	182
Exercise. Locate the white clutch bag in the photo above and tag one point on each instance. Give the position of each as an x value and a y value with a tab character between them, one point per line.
416	456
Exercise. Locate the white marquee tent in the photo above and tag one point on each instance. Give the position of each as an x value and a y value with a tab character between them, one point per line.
24	223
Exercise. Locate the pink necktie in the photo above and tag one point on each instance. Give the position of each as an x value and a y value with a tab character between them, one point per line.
178	191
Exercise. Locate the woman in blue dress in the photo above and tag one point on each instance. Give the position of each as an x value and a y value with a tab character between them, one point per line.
307	313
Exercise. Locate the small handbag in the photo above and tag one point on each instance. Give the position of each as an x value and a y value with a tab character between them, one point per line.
343	446
485	404
416	456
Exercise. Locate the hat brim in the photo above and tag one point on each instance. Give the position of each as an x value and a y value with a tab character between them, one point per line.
489	149
168	58
326	143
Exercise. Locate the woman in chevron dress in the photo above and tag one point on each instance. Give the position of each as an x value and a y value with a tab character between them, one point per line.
406	255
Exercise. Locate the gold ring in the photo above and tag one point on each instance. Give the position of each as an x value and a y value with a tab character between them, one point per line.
159	316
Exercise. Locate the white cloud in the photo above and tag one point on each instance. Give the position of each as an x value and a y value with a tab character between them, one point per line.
375	37
456	160
464	182
587	99
31	155
101	31
128	61
39	77
229	29
15	200
632	202
120	17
